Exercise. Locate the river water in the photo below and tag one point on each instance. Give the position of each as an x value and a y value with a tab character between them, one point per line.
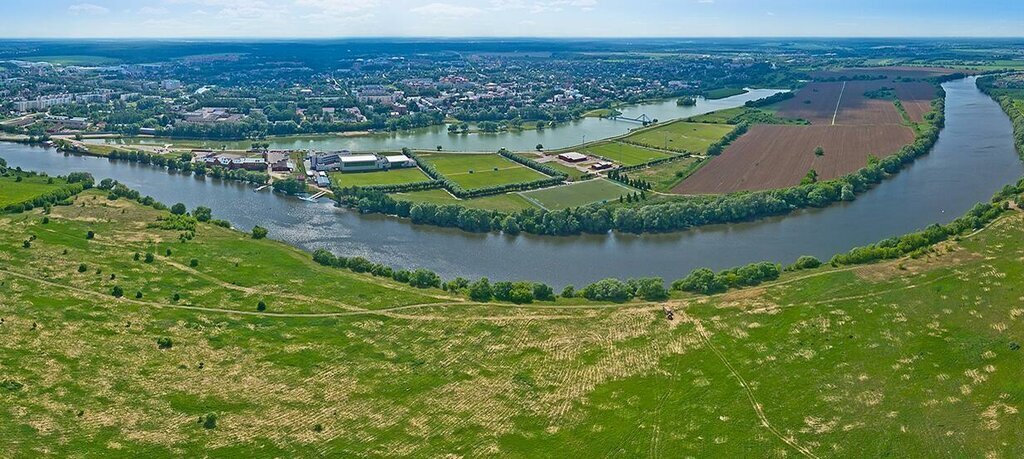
564	135
972	159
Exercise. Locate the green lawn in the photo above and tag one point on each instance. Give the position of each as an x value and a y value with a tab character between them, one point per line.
509	202
13	192
389	177
623	153
578	194
473	171
682	135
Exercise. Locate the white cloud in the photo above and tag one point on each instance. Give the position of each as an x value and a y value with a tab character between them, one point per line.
87	8
338	6
446	9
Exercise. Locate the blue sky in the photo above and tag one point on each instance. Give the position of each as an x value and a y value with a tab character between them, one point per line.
548	18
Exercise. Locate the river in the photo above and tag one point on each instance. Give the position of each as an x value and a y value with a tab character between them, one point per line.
564	135
972	159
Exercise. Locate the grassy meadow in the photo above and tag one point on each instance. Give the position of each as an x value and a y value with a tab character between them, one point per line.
578	194
681	135
13	192
624	153
909	358
472	171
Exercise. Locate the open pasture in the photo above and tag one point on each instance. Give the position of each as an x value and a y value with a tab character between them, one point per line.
915	357
577	194
624	153
473	171
773	156
681	135
13	192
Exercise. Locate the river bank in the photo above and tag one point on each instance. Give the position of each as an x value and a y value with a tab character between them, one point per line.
974	156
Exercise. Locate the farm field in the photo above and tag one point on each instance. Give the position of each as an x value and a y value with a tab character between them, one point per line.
577	194
773	156
915	357
845	102
473	171
623	153
681	135
507	202
389	177
13	192
891	72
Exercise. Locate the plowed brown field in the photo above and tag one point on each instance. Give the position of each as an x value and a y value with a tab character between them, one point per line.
890	72
847	124
818	102
774	156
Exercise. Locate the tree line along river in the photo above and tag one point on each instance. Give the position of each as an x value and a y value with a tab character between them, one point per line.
972	159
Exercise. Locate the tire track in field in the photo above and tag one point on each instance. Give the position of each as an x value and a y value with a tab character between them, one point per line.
754	402
835	114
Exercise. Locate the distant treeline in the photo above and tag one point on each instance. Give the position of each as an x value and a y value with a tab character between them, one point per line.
765	101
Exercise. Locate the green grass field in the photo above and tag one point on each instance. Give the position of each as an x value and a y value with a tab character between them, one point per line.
666	176
473	171
682	135
13	192
389	177
577	194
624	153
508	202
909	358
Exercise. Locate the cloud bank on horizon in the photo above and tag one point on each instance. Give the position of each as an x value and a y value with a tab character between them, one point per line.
481	18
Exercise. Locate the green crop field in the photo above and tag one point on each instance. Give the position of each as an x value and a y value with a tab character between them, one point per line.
577	194
389	177
508	202
473	171
12	192
916	357
624	153
682	135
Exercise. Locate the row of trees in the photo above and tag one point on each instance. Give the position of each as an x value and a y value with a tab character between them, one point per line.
774	98
392	188
185	164
718	147
50	198
620	177
706	281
